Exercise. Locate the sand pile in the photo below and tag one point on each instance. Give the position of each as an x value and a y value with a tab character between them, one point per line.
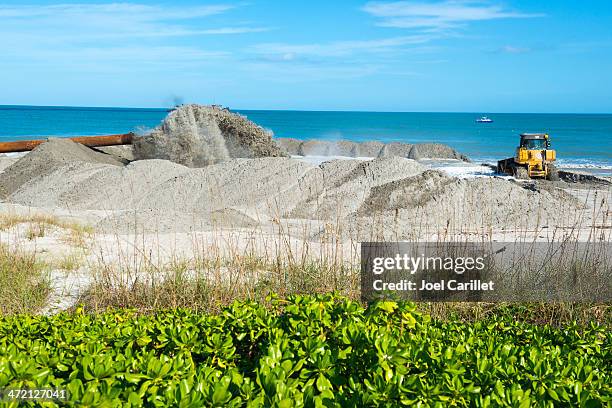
387	195
326	148
197	136
339	187
420	151
289	145
158	192
123	153
369	149
395	149
85	186
6	161
238	193
45	159
262	185
432	201
242	190
160	184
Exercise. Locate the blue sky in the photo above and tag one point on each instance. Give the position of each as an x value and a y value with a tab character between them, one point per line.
448	55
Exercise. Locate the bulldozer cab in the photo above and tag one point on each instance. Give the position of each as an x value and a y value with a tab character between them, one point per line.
534	149
534	141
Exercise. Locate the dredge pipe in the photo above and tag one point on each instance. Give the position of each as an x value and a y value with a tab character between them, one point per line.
91	141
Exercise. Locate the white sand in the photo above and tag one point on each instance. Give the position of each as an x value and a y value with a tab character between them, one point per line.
161	196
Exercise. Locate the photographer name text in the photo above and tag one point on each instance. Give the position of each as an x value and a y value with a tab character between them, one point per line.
426	286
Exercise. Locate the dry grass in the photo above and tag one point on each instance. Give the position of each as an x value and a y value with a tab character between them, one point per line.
36	230
217	273
79	236
69	262
224	269
550	313
24	287
38	226
207	284
8	221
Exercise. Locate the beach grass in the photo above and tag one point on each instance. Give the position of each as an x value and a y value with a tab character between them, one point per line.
24	285
209	284
39	225
69	262
221	272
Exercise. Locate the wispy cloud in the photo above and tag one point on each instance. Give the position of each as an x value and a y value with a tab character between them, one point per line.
115	36
511	49
297	71
83	22
290	52
236	30
333	60
441	15
132	10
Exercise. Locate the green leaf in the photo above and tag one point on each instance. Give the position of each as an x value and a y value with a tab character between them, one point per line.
323	383
387	306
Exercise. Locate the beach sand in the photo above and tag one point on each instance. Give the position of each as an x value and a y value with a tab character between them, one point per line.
159	196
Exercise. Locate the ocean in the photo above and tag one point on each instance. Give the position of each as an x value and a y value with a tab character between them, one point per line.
582	141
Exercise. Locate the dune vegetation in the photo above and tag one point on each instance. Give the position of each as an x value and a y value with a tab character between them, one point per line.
305	351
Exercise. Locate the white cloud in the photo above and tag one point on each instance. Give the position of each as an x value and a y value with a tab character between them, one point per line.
112	37
90	22
290	52
510	49
300	72
439	15
235	30
167	60
333	60
132	10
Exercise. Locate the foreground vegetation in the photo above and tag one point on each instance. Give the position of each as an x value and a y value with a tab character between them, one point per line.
305	351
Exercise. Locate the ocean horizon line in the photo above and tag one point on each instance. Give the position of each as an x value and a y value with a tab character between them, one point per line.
157	109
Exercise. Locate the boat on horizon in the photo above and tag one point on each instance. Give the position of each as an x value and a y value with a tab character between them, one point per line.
484	119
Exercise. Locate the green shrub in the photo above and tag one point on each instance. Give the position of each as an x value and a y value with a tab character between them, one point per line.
305	351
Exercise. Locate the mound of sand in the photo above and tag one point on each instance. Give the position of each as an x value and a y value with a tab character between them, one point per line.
432	201
435	151
123	153
197	136
237	193
86	186
369	149
326	148
255	186
289	145
420	151
341	186
45	159
384	198
6	161
155	191
395	149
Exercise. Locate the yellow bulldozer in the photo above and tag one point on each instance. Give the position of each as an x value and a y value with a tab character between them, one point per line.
534	159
